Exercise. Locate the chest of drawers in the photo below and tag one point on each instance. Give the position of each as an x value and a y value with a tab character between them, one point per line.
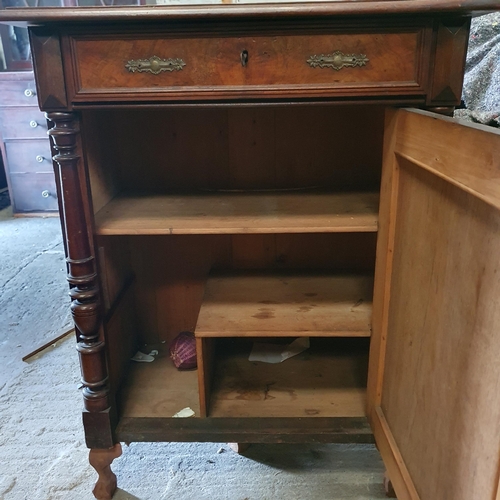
241	172
27	154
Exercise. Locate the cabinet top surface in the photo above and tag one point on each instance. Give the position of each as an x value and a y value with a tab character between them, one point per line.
186	9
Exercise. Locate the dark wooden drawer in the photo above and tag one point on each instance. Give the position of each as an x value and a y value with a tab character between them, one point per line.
371	63
29	156
33	192
18	93
22	123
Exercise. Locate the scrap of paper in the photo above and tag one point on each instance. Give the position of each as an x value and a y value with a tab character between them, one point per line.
184	413
277	353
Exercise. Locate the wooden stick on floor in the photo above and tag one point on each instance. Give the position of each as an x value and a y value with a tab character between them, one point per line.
48	344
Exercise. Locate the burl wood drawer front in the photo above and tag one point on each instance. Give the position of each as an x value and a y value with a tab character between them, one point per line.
22	123
29	156
284	65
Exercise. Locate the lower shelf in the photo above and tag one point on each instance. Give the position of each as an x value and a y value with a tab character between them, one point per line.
327	380
158	389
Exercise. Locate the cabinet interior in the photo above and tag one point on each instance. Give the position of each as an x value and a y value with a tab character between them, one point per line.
196	210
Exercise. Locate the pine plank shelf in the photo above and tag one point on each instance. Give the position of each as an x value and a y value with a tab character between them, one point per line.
158	389
327	380
235	213
285	306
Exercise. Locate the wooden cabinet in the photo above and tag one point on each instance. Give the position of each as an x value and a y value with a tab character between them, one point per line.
25	146
240	172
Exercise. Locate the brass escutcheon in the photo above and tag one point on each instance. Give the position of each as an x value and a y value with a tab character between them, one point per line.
337	60
154	65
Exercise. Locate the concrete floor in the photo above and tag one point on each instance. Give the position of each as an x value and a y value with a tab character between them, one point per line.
42	450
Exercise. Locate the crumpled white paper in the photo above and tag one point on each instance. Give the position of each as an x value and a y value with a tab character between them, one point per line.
184	413
277	353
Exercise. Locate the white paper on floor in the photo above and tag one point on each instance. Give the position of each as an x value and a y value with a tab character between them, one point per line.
277	353
140	357
184	413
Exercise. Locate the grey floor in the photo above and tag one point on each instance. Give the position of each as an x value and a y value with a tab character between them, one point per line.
42	450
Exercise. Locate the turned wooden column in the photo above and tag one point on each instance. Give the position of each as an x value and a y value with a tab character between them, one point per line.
82	277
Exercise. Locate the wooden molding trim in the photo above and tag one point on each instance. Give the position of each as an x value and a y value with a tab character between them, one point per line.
126	13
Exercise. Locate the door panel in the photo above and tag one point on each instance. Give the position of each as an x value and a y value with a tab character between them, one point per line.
435	376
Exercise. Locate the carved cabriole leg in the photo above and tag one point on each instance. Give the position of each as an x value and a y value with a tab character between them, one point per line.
82	278
101	461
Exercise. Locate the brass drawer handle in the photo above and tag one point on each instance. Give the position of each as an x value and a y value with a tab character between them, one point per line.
337	60
154	65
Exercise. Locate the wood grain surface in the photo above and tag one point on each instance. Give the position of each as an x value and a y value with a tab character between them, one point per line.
307	9
440	371
327	380
158	389
233	213
286	305
213	62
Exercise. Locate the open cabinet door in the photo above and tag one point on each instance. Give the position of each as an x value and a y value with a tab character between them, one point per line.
434	378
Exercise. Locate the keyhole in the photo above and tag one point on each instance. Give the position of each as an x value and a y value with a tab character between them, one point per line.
244	57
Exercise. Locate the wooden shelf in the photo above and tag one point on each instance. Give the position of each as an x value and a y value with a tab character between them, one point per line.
234	213
261	305
158	389
327	380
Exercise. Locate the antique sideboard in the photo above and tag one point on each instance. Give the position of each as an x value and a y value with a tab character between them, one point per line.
243	172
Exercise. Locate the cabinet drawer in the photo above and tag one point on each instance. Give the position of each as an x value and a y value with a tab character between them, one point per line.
373	63
18	93
29	156
22	123
33	192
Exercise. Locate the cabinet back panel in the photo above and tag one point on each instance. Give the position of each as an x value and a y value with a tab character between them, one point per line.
342	251
331	147
172	149
170	272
